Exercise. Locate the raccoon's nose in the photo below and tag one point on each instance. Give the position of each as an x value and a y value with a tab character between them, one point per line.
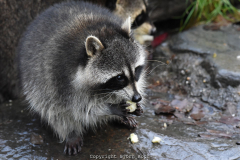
136	98
153	30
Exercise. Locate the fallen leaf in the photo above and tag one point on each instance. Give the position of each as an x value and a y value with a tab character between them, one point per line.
234	121
161	108
197	112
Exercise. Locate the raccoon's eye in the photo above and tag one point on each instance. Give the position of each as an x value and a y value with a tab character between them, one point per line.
115	83
139	20
120	78
138	71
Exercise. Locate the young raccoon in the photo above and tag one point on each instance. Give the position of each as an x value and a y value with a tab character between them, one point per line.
137	10
78	65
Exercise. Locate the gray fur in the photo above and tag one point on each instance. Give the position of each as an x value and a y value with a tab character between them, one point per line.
58	77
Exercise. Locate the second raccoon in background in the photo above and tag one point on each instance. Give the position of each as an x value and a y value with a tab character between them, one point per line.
137	10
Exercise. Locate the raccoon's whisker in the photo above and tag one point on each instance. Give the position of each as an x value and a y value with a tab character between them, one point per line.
101	93
153	69
105	91
158	61
110	96
145	71
101	90
126	93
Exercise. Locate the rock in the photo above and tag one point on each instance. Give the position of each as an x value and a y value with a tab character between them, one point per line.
226	77
214	79
182	106
36	139
223	68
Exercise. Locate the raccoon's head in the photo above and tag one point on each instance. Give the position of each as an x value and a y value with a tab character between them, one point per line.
115	67
138	11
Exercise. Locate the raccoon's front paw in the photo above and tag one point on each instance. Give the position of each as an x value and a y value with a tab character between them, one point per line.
129	121
124	106
73	145
139	110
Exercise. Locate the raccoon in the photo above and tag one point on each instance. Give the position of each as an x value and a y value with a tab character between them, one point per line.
137	10
78	65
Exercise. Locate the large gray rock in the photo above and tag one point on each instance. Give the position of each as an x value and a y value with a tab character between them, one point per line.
203	64
221	49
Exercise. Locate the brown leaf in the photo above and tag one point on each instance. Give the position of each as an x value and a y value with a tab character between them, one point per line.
161	108
220	133
197	112
215	133
197	116
230	120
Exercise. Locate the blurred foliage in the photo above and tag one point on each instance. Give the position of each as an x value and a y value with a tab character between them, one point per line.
209	11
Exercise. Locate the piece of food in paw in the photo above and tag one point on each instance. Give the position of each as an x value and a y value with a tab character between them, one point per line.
133	138
156	140
132	107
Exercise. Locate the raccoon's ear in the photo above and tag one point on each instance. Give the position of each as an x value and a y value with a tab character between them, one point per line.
127	25
93	45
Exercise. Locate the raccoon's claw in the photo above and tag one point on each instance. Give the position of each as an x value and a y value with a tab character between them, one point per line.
129	121
124	104
73	146
132	122
126	111
139	110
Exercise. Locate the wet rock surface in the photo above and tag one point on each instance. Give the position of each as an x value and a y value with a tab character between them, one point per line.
193	111
222	48
210	140
204	64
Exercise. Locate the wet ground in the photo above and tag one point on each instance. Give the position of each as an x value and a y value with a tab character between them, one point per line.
193	109
179	140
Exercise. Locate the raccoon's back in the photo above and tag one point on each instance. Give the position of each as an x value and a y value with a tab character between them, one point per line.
66	19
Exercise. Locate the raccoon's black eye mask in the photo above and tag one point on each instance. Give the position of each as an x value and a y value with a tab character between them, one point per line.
140	19
138	71
115	83
120	81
